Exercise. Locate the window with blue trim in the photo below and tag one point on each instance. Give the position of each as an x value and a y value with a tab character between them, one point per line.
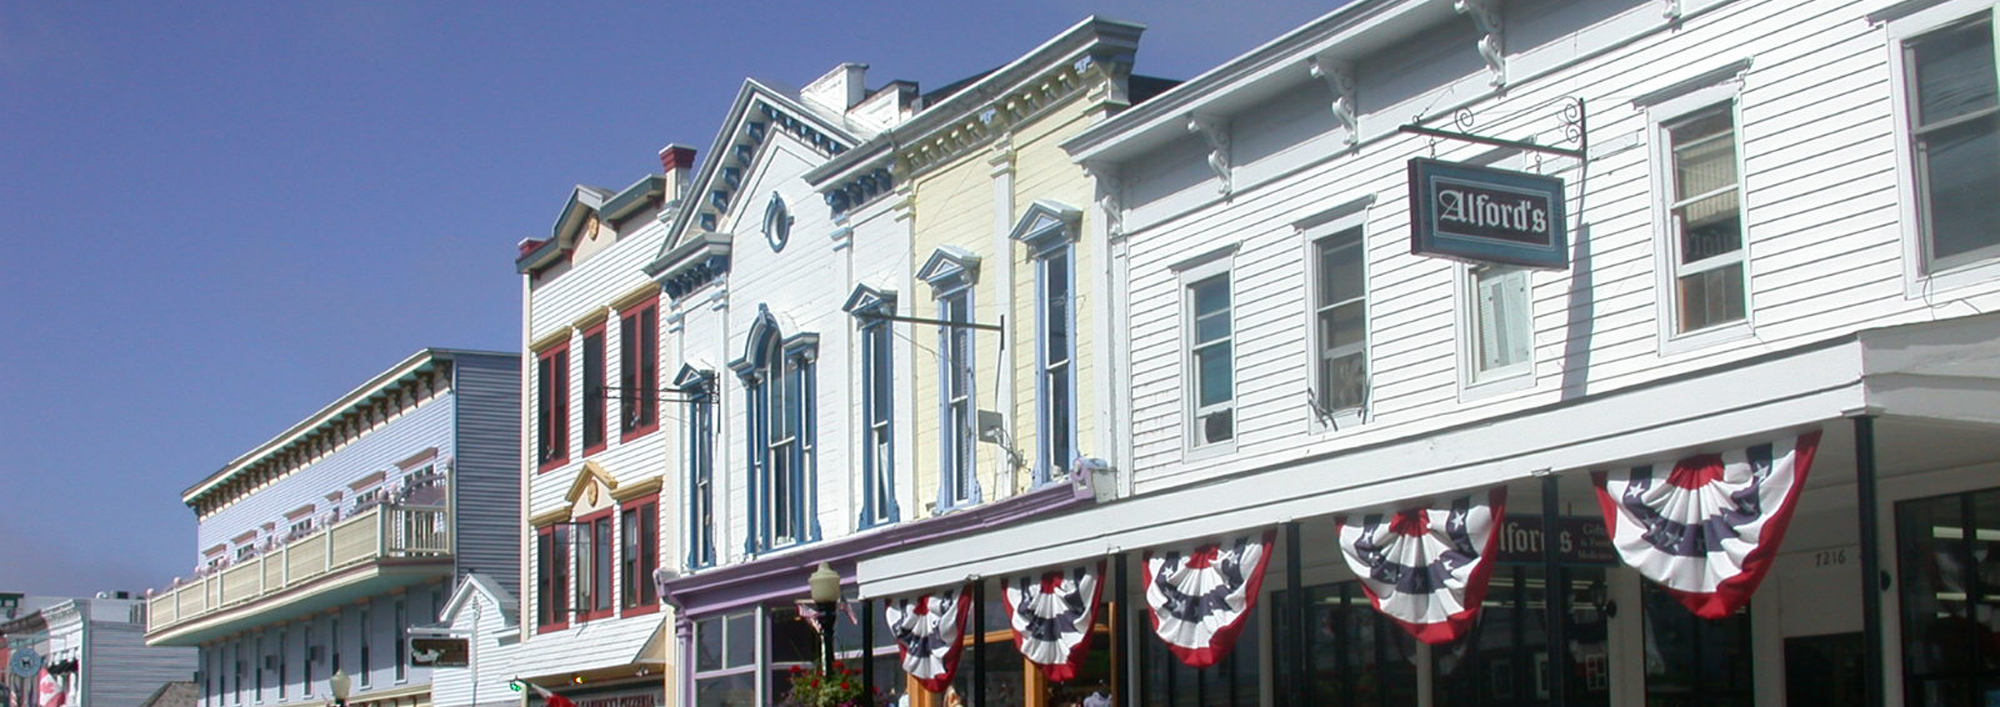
779	383
878	457
698	387
960	412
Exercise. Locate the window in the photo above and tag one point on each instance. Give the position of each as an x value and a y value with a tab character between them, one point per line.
639	369
1165	681
284	674
552	407
1501	343
1696	662
551	578
1953	110
878	456
960	418
639	532
367	648
1355	656
309	651
1704	219
333	639
241	666
263	657
780	381
1505	659
593	566
699	387
402	617
725	660
594	438
1340	321
1055	362
1211	368
1950	565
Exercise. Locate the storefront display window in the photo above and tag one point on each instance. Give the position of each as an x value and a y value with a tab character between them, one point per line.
1692	662
1170	683
1504	661
725	661
1949	550
1355	656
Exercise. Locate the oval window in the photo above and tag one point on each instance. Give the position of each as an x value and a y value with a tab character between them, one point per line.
777	223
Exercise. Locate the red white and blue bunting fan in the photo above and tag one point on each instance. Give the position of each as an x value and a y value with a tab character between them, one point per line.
928	629
1052	613
1426	568
1202	596
1707	528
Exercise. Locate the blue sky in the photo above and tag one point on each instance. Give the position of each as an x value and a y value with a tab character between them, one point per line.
224	215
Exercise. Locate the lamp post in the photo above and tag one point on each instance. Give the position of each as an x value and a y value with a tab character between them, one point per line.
340	683
825	586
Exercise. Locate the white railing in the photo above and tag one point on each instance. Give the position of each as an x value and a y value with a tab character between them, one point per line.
381	532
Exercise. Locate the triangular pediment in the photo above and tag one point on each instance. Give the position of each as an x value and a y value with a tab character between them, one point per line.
762	112
950	266
867	299
591	490
1046	221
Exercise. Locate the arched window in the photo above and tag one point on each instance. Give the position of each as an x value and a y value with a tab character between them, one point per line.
778	378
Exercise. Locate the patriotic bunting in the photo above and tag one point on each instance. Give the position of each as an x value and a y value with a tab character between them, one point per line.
1201	596
1707	529
928	629
549	697
1426	568
1052	613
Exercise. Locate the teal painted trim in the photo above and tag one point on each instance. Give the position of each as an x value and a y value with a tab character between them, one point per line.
648	187
540	257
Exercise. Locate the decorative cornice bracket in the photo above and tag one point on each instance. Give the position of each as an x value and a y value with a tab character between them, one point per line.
1215	131
1486	16
1339	78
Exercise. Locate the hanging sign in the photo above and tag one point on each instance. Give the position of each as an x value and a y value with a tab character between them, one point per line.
1426	568
1707	527
1052	613
1483	214
1201	596
927	630
439	652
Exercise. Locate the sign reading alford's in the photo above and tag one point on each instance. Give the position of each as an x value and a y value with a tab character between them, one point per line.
1487	215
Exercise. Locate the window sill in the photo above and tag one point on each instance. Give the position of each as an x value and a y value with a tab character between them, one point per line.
627	437
596	616
1495	383
1671	345
641	610
596	449
1210	451
1927	285
551	628
1340	421
551	465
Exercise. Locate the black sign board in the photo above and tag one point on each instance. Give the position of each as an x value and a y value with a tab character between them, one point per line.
430	652
1483	214
1581	540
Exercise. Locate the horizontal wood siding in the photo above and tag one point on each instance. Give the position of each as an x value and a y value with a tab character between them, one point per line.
487	477
1824	238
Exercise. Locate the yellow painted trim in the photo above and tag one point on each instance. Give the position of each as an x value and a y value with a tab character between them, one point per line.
591	318
590	470
550	340
636	489
645	292
550	517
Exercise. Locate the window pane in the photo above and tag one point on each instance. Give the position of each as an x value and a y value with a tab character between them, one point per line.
1954	72
1059	421
708	644
1961	177
741	643
1213	369
1343	381
729	691
1693	662
1704	154
1340	276
1711	297
1343	326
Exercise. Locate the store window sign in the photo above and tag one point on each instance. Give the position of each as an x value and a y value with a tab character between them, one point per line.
1482	214
1578	541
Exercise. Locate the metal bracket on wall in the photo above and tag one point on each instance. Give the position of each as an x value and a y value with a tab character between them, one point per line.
1572	125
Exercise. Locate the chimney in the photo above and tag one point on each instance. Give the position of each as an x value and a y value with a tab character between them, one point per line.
678	163
840	89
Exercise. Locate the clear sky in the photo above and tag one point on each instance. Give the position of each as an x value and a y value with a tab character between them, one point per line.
223	215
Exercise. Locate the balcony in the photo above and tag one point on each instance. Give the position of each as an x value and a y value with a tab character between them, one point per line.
369	553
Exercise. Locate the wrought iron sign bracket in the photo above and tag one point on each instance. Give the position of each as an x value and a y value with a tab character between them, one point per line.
936	322
1573	122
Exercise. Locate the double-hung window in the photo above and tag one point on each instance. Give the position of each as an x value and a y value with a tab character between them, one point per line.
402	669
780	379
552	550
639	369
367	635
878	398
552	407
1209	335
594	438
639	553
593	566
1951	100
961	414
1705	219
699	387
1056	361
1340	321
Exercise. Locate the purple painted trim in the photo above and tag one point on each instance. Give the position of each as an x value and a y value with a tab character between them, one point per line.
782	576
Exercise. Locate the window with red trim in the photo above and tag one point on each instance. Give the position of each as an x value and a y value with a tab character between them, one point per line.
639	368
639	553
552	407
594	437
594	560
552	577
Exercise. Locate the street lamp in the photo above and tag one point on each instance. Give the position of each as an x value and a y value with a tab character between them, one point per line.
825	586
340	683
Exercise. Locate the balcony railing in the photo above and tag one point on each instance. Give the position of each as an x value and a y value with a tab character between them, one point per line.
378	533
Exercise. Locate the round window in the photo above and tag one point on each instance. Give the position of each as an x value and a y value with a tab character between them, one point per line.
777	223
